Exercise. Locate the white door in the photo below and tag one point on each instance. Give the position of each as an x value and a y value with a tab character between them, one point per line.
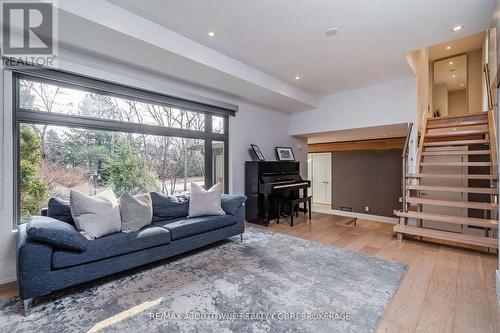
321	177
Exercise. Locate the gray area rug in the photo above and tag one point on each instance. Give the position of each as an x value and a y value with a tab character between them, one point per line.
270	283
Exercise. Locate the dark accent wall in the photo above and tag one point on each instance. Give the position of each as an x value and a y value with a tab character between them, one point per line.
367	178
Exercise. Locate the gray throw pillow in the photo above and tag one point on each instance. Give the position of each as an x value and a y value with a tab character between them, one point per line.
136	211
95	216
203	202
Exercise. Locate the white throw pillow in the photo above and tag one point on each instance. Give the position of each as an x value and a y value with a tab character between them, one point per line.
95	216
203	202
136	211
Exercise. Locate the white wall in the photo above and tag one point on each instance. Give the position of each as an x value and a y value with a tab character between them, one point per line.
252	124
267	130
7	235
383	104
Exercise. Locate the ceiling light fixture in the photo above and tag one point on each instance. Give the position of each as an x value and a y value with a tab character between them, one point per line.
332	32
461	84
451	63
453	76
448	47
297	77
457	28
211	34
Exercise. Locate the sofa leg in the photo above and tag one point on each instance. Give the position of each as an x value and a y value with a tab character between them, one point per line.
241	238
27	306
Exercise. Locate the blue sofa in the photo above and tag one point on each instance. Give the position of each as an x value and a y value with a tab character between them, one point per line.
43	267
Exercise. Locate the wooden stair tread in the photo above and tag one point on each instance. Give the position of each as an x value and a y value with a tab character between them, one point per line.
437	175
448	236
449	203
449	219
458	124
481	114
456	133
456	152
456	143
483	190
455	164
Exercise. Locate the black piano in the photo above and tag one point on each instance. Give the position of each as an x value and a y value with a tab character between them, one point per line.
266	182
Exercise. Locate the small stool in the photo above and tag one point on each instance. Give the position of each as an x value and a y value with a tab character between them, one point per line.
294	204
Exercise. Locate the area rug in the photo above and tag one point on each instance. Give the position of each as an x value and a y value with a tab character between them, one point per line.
269	283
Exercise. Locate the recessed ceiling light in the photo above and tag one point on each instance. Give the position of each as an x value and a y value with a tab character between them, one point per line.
448	47
461	84
457	28
297	77
451	63
454	128
211	34
453	76
332	32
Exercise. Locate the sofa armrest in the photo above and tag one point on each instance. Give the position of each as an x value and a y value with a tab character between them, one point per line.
232	202
34	260
44	211
240	217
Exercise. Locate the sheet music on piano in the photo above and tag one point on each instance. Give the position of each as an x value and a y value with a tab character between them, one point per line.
266	182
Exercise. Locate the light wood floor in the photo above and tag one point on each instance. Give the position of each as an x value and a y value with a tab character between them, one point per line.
445	289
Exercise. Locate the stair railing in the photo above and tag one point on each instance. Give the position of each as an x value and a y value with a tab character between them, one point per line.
493	140
492	130
404	157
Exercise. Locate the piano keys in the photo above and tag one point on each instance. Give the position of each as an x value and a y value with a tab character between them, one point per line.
266	182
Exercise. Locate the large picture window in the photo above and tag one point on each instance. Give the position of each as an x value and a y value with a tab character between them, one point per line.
76	136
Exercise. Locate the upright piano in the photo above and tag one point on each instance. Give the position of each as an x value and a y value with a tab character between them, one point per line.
266	182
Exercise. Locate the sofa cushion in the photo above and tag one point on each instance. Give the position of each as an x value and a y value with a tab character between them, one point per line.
169	207
231	203
58	233
185	227
113	245
59	209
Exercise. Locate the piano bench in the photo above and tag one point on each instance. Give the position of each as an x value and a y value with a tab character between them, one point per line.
294	204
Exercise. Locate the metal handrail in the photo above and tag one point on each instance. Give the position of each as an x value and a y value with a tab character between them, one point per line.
405	148
404	157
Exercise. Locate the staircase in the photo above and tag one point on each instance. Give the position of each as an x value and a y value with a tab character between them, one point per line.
453	195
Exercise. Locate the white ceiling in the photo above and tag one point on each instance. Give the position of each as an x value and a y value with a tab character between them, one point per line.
260	46
287	38
457	46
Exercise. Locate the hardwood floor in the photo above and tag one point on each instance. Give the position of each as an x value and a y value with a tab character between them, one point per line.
445	289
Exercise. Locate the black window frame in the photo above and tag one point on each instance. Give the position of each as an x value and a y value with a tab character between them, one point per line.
204	106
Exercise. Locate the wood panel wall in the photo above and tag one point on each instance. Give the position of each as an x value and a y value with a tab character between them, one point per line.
378	144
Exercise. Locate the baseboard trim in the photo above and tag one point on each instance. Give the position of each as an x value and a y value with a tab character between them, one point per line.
369	217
